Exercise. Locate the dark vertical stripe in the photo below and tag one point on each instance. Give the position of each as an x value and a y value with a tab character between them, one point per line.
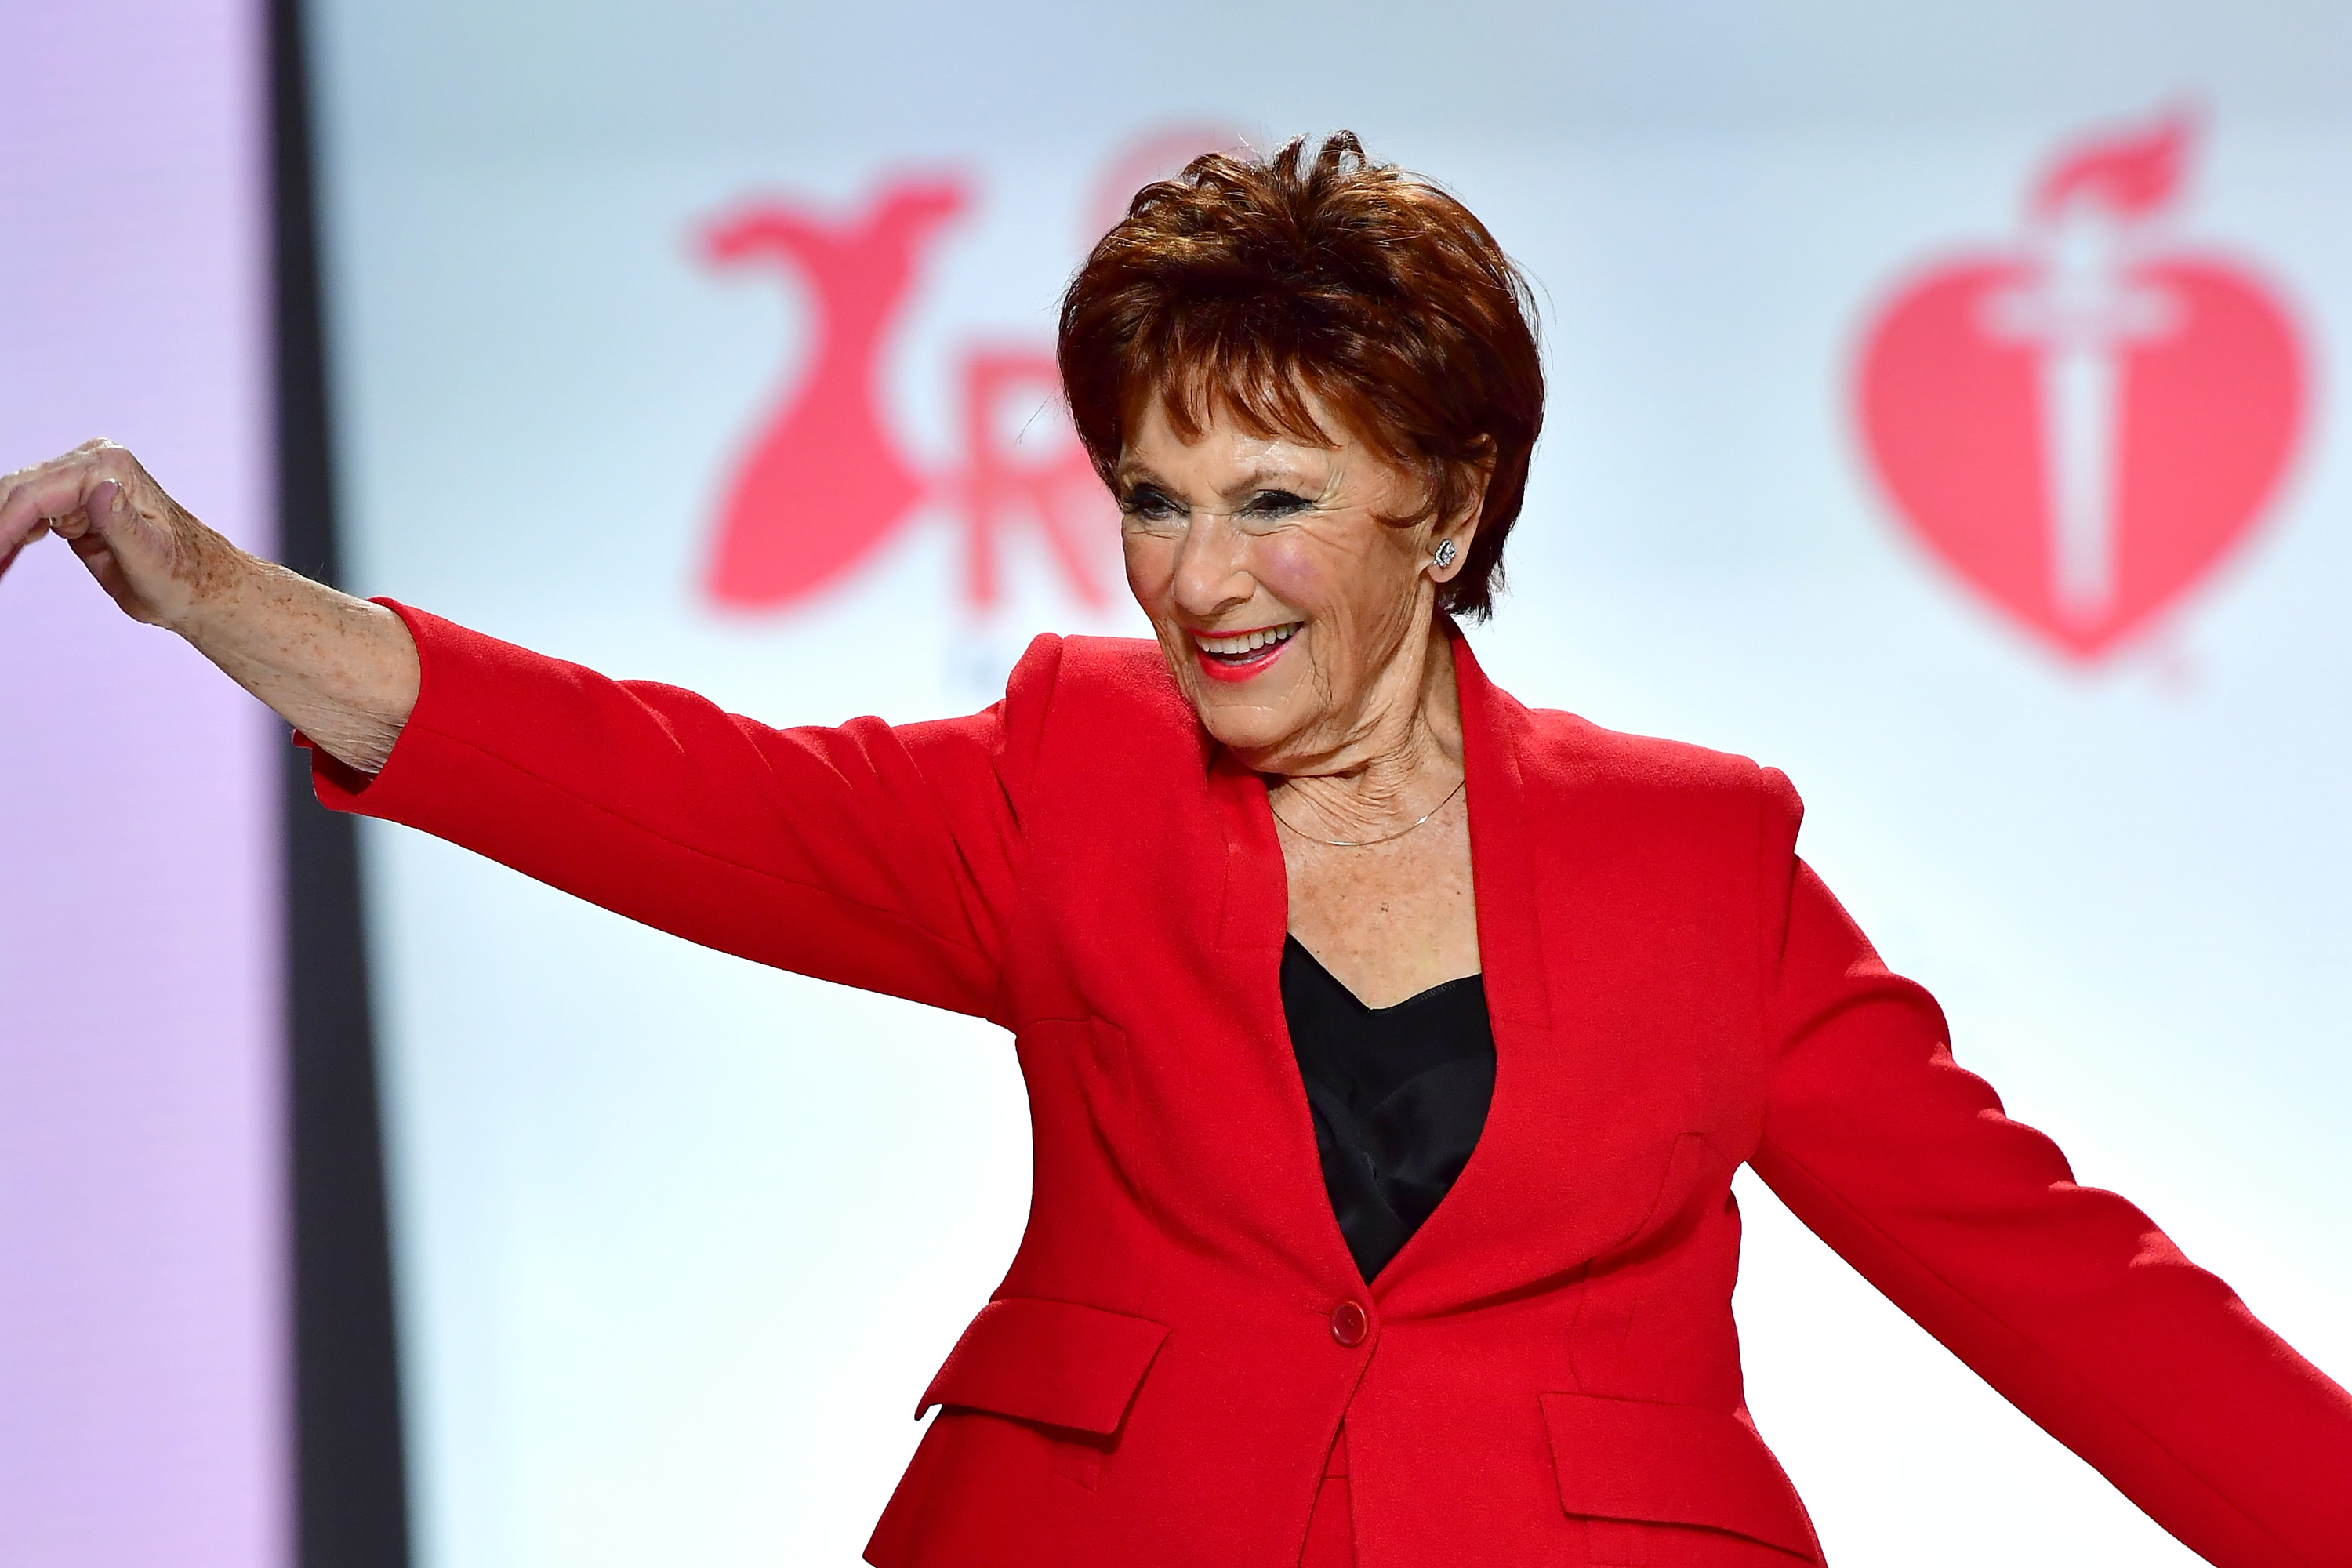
350	1477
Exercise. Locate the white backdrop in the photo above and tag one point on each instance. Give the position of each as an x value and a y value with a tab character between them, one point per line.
680	1240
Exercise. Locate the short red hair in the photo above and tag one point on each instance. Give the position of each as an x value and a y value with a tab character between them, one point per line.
1245	283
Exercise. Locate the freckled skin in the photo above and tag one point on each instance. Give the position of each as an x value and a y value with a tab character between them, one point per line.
1355	726
342	671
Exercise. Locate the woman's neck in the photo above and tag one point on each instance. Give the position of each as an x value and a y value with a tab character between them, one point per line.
1398	764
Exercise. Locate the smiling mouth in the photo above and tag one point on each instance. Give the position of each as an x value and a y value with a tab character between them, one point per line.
1237	656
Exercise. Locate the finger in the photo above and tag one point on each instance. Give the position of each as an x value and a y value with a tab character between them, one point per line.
72	525
103	506
59	486
37	495
107	501
96	554
100	563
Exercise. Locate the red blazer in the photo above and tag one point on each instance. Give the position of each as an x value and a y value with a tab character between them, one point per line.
1547	1373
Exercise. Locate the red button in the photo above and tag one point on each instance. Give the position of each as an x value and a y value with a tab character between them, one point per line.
1349	1324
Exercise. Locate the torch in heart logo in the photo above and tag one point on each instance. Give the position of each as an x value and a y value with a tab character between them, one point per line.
2083	425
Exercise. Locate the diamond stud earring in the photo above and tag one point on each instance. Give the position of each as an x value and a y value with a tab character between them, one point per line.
1445	553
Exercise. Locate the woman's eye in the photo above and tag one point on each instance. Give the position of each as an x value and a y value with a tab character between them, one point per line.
1274	504
1146	506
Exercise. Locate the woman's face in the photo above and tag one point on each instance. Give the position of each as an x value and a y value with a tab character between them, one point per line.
1295	620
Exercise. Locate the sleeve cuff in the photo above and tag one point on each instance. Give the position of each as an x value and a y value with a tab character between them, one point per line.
337	785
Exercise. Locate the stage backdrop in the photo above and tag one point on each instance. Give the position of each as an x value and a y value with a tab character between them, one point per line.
143	1362
1944	412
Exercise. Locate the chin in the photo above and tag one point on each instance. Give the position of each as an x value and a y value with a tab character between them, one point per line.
1251	729
1252	712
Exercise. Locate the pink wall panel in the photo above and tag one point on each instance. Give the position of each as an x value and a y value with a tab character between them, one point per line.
143	1366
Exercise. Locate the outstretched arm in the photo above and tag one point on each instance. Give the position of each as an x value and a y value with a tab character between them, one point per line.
875	856
2066	1299
339	670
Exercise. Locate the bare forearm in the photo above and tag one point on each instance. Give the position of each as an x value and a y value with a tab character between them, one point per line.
339	670
342	671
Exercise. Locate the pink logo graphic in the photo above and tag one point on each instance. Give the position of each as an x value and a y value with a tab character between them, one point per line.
2083	426
824	484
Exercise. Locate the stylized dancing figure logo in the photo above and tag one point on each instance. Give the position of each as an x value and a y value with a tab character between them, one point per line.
2083	426
824	484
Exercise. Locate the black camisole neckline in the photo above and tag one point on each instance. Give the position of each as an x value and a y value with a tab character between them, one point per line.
1399	1096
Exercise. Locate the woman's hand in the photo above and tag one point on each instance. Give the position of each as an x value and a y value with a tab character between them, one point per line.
150	555
342	671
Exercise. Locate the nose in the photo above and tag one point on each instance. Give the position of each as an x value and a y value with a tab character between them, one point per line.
1211	573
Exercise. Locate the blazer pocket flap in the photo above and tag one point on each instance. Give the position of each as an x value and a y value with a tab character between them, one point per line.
1055	1363
1672	1464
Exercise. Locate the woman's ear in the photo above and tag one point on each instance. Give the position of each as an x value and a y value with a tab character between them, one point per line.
1449	542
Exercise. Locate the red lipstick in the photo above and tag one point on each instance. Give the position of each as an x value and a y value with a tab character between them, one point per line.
1243	667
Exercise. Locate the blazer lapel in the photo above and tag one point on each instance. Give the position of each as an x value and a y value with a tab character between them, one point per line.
1466	1247
1254	918
1255	908
1511	948
1254	915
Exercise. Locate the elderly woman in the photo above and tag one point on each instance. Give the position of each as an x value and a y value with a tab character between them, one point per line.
1391	1046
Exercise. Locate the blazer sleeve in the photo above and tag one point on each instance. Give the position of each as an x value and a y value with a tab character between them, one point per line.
2068	1299
876	856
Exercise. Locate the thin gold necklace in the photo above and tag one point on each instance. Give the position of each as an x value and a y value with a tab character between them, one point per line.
1368	843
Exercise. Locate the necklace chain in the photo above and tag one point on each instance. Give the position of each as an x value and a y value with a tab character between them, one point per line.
1368	843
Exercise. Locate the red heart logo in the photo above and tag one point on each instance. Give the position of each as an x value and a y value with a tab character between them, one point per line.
2083	426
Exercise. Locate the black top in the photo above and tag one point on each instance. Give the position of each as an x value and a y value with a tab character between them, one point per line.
1399	1096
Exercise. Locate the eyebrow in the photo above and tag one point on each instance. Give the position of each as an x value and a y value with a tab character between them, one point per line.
1265	477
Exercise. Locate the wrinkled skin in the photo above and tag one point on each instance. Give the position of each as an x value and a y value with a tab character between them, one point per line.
339	670
1355	722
